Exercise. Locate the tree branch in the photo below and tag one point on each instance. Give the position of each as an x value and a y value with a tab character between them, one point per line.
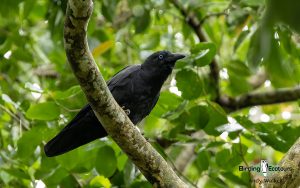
253	99
109	113
192	20
46	71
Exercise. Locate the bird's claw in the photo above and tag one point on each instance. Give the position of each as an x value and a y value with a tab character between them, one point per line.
127	111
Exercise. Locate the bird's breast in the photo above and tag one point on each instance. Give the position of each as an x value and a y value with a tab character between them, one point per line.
137	95
143	98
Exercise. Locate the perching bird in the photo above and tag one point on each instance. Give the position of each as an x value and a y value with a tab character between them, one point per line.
136	88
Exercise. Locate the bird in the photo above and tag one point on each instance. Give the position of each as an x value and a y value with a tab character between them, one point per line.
136	89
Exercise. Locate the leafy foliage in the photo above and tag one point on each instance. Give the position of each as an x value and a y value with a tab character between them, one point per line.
255	45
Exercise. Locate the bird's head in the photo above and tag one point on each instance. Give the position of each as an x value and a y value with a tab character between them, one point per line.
162	60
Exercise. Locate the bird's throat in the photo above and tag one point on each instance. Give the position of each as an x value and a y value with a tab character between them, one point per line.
156	78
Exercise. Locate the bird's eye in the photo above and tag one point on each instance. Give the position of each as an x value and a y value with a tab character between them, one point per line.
160	57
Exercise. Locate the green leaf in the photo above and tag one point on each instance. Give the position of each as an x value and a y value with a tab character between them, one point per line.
238	84
43	111
141	23
139	184
215	144
289	134
285	37
186	30
46	164
235	179
57	175
167	102
228	160
273	140
28	6
279	136
30	140
198	117
239	68
108	9
246	177
284	11
70	181
118	178
202	161
69	160
9	7
87	155
22	54
122	159
106	161
281	70
222	158
217	117
184	79
100	181
243	35
260	46
215	182
72	91
203	53
253	3
237	18
239	149
19	173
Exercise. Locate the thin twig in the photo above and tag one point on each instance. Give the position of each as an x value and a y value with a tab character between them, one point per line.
218	14
18	119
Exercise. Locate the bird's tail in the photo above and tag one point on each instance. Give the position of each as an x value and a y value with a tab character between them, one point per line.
83	129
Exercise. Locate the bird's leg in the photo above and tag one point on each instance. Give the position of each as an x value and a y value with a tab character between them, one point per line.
127	111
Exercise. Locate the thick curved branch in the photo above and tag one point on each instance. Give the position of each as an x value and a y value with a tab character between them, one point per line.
254	99
109	113
195	24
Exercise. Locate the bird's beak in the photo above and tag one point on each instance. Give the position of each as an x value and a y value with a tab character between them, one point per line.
174	57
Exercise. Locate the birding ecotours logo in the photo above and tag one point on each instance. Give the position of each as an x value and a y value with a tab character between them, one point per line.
264	167
262	172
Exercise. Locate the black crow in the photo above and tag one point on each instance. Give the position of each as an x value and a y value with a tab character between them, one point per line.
136	88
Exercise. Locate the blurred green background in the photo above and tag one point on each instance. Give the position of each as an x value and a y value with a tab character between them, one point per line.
253	43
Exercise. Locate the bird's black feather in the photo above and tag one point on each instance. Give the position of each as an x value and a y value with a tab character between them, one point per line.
135	88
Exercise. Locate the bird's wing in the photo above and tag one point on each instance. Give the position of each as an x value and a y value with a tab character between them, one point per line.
85	126
153	104
121	75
